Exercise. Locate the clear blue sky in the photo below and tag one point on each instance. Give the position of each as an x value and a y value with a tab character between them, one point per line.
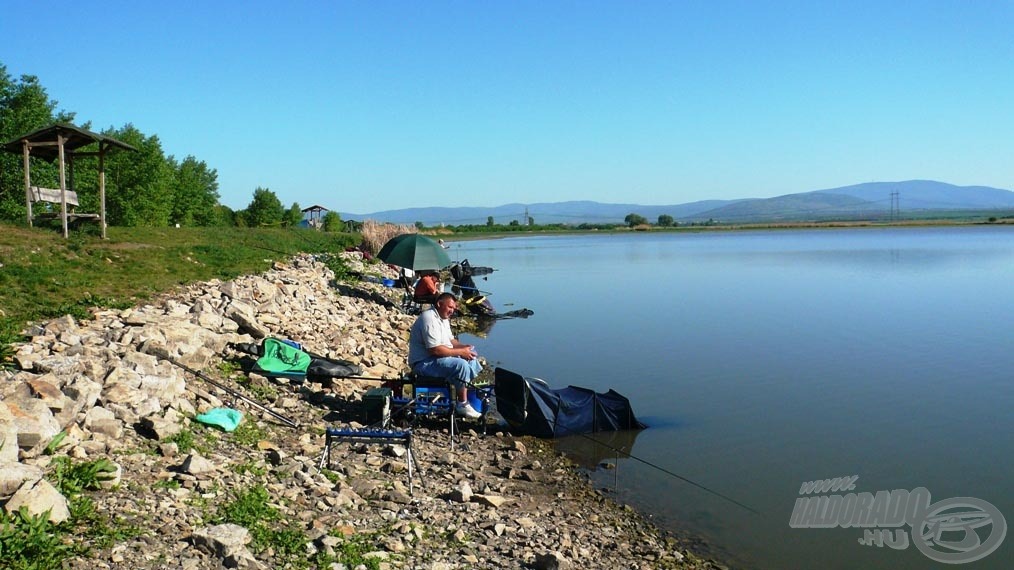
375	105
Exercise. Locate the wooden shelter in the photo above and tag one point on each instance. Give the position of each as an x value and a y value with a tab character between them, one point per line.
61	142
315	217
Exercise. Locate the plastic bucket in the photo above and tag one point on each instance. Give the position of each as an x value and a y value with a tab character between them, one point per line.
475	401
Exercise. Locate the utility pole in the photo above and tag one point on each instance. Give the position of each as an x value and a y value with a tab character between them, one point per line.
895	207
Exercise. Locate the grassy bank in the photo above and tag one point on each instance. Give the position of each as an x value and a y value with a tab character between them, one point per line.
43	275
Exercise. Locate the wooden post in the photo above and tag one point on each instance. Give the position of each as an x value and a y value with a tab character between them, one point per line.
28	181
102	189
71	159
63	186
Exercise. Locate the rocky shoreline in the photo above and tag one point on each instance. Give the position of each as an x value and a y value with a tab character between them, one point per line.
177	492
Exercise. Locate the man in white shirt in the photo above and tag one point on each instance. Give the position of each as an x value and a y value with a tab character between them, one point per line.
433	351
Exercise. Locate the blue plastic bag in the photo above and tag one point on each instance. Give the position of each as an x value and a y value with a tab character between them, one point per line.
225	418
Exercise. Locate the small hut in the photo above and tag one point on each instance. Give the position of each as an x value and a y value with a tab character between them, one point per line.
62	141
315	216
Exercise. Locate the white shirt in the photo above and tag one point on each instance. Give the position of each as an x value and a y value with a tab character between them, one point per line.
428	331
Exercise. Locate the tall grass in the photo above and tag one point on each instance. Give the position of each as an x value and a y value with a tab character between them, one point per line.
376	234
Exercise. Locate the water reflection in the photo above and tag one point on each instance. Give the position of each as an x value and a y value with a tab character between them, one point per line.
592	451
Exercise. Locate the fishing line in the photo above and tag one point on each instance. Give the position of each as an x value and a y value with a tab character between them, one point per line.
644	461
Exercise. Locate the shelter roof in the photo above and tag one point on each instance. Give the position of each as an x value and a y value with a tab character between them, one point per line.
316	208
75	138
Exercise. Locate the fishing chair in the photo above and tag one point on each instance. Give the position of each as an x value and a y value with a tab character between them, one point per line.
428	396
408	303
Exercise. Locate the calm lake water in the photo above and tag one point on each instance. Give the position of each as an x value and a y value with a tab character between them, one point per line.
762	360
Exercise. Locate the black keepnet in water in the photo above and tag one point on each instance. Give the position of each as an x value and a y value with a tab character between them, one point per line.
531	407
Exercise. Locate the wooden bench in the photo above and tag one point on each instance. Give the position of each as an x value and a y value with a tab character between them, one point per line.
54	196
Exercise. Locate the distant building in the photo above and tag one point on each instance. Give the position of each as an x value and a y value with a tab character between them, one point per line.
314	216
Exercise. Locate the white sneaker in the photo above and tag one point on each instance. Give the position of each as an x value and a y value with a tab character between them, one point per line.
465	410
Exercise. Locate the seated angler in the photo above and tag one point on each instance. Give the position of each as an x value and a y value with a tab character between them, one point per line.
427	289
433	351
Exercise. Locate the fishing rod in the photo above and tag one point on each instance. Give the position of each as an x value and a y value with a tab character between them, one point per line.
632	456
366	378
232	392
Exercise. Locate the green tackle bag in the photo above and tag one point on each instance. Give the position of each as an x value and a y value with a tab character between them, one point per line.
282	360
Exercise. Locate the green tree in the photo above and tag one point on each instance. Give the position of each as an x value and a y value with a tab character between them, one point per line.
195	194
489	221
139	185
635	220
531	221
332	222
24	107
665	220
265	209
293	216
514	223
223	216
419	225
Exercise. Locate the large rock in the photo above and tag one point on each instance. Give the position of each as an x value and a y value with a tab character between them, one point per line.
162	427
196	465
84	391
63	366
33	421
8	435
13	475
227	542
38	497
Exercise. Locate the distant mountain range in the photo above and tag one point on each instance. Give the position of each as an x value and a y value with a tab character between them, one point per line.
862	201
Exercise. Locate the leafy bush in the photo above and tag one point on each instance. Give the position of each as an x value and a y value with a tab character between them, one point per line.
71	478
342	272
30	542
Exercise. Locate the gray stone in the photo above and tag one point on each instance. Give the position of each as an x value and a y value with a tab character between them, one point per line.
38	497
122	393
8	436
109	427
194	464
13	475
63	366
462	494
551	561
494	501
111	480
143	364
63	324
83	391
97	414
32	420
228	543
169	450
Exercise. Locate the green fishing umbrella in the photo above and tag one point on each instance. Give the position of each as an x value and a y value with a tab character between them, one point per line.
414	251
